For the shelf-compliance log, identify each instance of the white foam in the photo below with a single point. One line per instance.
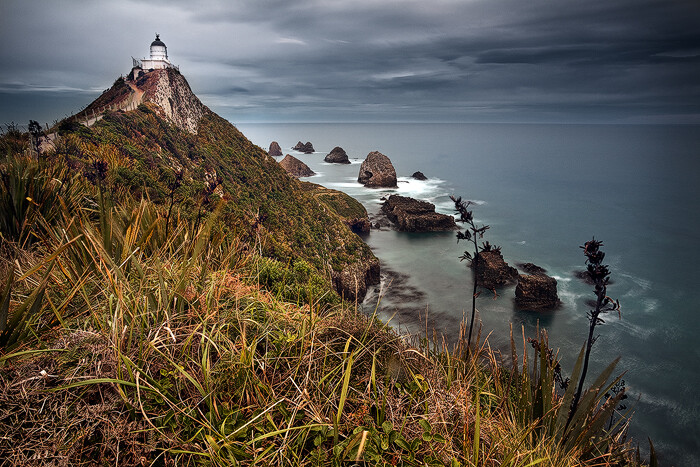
(339, 185)
(650, 305)
(641, 332)
(569, 298)
(419, 188)
(641, 282)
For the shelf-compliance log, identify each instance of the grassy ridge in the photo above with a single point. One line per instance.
(120, 344)
(265, 206)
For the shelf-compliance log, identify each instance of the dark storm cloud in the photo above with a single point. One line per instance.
(614, 60)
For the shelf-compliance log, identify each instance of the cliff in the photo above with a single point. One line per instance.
(171, 94)
(170, 133)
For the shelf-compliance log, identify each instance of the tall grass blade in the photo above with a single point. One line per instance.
(6, 293)
(344, 390)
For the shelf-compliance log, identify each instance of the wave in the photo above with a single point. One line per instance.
(341, 185)
(642, 332)
(561, 279)
(640, 281)
(409, 186)
(569, 298)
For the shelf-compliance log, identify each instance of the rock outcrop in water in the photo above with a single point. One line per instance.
(530, 268)
(295, 167)
(337, 156)
(412, 215)
(493, 272)
(377, 171)
(352, 282)
(536, 291)
(275, 149)
(306, 148)
(419, 176)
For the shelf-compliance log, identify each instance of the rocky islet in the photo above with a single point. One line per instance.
(295, 167)
(377, 171)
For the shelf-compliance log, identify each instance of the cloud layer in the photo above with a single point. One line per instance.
(368, 60)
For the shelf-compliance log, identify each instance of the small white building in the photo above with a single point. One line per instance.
(157, 61)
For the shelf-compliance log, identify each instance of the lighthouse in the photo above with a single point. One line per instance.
(158, 59)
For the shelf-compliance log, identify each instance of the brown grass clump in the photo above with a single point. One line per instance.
(44, 425)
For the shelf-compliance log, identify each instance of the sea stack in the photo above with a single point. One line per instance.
(295, 167)
(377, 171)
(306, 148)
(275, 149)
(493, 272)
(412, 215)
(537, 292)
(337, 156)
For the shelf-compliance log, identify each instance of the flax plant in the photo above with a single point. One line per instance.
(471, 234)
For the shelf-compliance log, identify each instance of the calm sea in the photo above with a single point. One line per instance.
(545, 190)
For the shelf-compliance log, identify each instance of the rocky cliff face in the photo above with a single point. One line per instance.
(352, 282)
(169, 90)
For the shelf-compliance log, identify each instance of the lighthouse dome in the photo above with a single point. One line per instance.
(158, 49)
(158, 42)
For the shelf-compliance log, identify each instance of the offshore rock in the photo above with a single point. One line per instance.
(493, 272)
(536, 292)
(412, 215)
(275, 149)
(352, 282)
(337, 156)
(377, 171)
(419, 176)
(531, 268)
(295, 167)
(306, 148)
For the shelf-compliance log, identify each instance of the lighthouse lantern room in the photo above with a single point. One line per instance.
(158, 59)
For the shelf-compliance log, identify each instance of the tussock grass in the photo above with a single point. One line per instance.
(124, 346)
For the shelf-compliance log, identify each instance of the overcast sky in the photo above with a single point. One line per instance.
(620, 61)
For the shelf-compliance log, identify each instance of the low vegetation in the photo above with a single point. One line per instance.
(262, 206)
(123, 345)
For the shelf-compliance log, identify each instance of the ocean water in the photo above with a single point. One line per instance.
(544, 190)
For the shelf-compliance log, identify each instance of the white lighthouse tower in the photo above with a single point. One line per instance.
(158, 58)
